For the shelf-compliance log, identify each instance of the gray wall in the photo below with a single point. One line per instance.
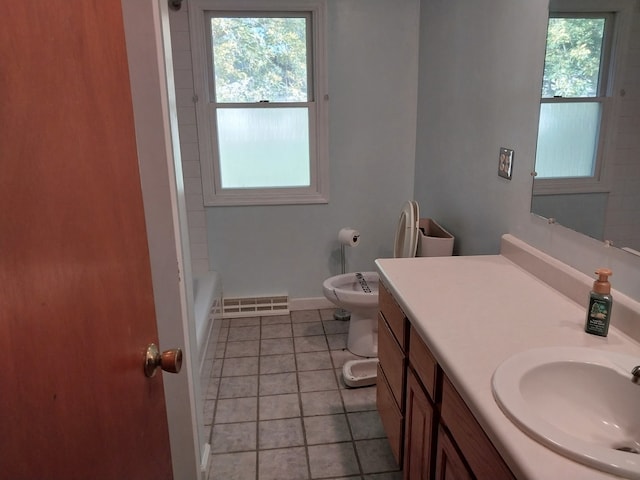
(373, 74)
(480, 74)
(583, 212)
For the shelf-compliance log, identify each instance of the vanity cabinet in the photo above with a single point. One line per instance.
(421, 411)
(449, 462)
(419, 428)
(479, 453)
(432, 432)
(391, 379)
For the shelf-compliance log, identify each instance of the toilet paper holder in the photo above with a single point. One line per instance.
(349, 237)
(346, 237)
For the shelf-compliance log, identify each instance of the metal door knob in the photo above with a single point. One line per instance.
(169, 360)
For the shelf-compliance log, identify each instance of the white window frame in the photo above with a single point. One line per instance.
(213, 193)
(600, 181)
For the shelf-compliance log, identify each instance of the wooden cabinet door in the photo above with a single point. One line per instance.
(449, 463)
(479, 453)
(390, 414)
(418, 432)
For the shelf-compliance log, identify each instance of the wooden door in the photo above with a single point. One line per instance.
(76, 300)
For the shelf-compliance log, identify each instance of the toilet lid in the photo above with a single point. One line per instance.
(406, 241)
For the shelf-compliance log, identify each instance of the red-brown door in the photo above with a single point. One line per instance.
(76, 300)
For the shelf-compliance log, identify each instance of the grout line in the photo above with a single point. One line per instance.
(301, 416)
(304, 429)
(217, 395)
(258, 400)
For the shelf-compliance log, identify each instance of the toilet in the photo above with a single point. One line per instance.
(358, 293)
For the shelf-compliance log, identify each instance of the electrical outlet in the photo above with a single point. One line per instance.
(505, 163)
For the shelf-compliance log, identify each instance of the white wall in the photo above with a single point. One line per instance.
(163, 195)
(480, 76)
(623, 209)
(183, 74)
(373, 72)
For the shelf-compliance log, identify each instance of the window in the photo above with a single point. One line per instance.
(261, 110)
(576, 102)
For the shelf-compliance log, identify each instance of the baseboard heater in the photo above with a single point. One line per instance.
(251, 306)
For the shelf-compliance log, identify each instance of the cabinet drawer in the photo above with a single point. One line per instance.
(393, 315)
(480, 454)
(392, 419)
(423, 362)
(392, 360)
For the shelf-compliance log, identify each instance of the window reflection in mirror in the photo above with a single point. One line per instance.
(588, 152)
(574, 96)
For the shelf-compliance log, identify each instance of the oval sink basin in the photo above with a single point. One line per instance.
(579, 402)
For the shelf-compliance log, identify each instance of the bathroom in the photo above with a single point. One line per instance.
(422, 96)
(429, 123)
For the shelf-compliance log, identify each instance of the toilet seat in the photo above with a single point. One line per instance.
(406, 241)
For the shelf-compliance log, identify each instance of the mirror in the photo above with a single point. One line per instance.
(608, 210)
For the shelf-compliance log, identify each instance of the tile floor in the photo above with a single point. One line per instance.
(279, 409)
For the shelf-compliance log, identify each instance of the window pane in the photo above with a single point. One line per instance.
(567, 139)
(572, 59)
(258, 59)
(264, 147)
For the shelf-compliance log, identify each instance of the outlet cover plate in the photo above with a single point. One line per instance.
(505, 163)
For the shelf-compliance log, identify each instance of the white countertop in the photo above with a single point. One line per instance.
(475, 312)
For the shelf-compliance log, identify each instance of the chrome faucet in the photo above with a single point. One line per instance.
(635, 371)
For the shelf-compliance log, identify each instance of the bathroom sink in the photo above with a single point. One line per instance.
(579, 402)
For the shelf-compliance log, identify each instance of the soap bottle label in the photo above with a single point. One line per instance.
(598, 317)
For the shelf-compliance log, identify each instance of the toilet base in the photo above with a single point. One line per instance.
(363, 333)
(360, 373)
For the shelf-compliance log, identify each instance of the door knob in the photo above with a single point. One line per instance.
(169, 360)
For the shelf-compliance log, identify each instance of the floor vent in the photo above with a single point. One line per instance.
(252, 306)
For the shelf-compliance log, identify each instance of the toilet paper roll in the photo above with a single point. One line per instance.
(349, 237)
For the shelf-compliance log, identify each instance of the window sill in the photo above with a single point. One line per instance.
(243, 199)
(568, 185)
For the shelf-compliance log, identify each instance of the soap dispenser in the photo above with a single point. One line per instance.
(600, 303)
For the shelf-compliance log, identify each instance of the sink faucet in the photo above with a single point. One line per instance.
(635, 371)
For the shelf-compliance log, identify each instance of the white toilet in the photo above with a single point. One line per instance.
(358, 293)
